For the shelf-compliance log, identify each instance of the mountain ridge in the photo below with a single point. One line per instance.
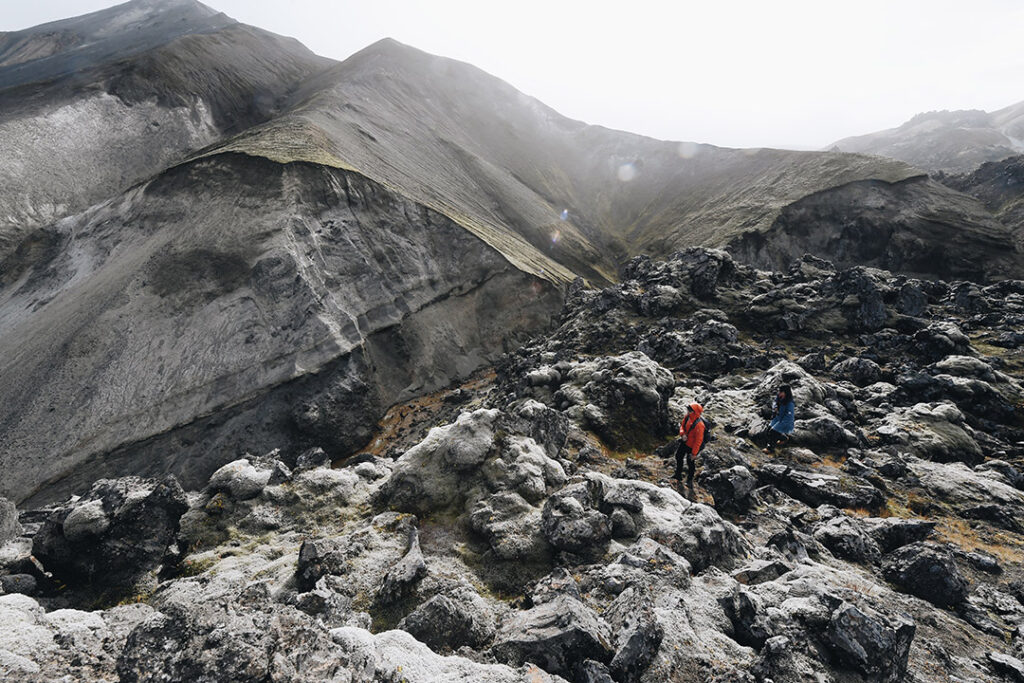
(949, 141)
(432, 144)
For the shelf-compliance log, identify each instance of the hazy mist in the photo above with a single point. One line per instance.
(784, 74)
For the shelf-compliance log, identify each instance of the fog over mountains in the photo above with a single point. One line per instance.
(224, 256)
(951, 141)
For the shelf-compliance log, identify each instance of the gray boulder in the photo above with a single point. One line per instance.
(456, 463)
(847, 539)
(209, 641)
(239, 479)
(593, 672)
(557, 636)
(928, 572)
(511, 526)
(731, 488)
(62, 644)
(558, 583)
(18, 583)
(401, 579)
(363, 657)
(860, 371)
(821, 488)
(117, 532)
(1010, 668)
(941, 339)
(893, 532)
(934, 431)
(572, 523)
(750, 622)
(759, 571)
(867, 642)
(623, 399)
(448, 623)
(638, 633)
(973, 494)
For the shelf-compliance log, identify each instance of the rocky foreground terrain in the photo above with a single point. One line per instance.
(522, 527)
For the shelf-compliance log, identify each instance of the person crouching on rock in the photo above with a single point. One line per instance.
(783, 417)
(691, 439)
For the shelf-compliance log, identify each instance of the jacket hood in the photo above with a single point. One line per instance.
(697, 409)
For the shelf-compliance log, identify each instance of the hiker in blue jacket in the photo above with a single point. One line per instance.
(783, 417)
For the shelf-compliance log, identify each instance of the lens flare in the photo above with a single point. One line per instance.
(688, 150)
(565, 214)
(627, 172)
(555, 236)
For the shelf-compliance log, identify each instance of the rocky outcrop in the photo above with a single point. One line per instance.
(915, 226)
(448, 623)
(321, 313)
(114, 535)
(63, 644)
(870, 645)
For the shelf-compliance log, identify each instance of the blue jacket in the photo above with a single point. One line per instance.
(785, 415)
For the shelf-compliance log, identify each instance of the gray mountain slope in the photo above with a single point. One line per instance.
(126, 93)
(505, 166)
(217, 291)
(999, 186)
(950, 141)
(349, 237)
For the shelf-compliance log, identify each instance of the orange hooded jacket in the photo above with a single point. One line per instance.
(692, 428)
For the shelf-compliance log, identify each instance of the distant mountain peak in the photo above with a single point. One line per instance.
(955, 141)
(59, 48)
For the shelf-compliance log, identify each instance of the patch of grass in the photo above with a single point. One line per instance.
(834, 461)
(960, 533)
(894, 508)
(135, 599)
(194, 567)
(1013, 358)
(920, 505)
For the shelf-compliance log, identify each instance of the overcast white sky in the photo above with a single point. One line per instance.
(740, 74)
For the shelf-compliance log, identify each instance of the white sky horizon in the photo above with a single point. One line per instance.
(796, 74)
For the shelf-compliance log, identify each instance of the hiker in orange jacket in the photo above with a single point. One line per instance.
(691, 434)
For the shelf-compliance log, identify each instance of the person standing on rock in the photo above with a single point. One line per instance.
(691, 439)
(783, 418)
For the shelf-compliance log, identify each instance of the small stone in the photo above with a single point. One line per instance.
(18, 583)
(239, 479)
(85, 520)
(9, 526)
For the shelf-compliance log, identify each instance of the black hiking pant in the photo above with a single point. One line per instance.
(683, 454)
(771, 438)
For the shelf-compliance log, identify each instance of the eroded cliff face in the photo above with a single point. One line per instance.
(93, 105)
(916, 227)
(235, 302)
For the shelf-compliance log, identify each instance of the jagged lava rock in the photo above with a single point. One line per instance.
(117, 532)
